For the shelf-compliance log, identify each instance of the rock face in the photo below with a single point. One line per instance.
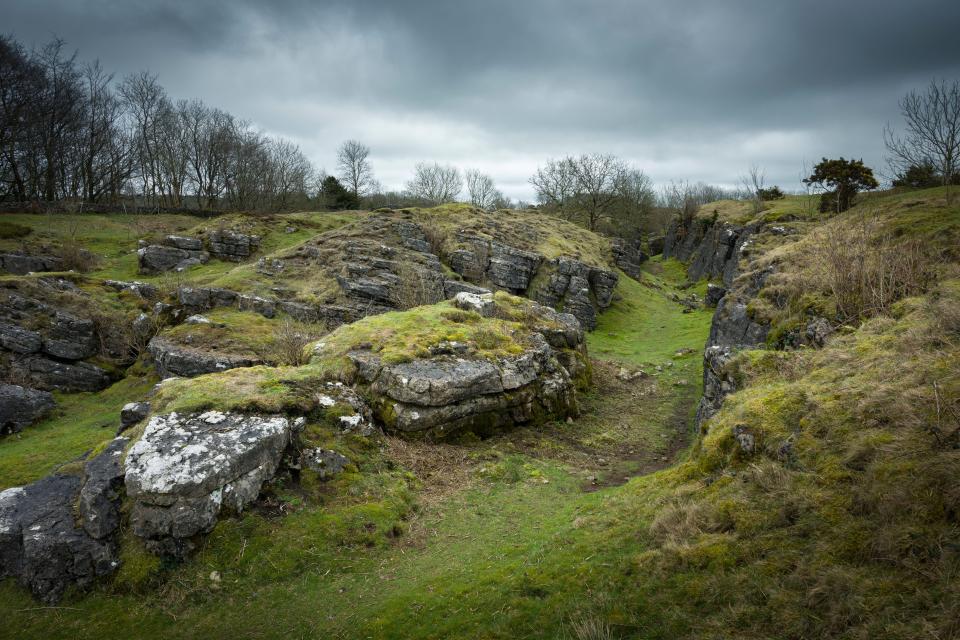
(172, 359)
(578, 289)
(713, 249)
(175, 253)
(185, 470)
(388, 262)
(628, 256)
(20, 265)
(227, 244)
(54, 375)
(58, 333)
(43, 545)
(21, 407)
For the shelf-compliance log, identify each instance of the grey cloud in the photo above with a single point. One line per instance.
(695, 90)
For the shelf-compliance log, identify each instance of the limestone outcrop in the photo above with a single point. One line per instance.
(187, 469)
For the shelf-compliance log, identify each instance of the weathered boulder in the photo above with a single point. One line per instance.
(446, 394)
(577, 288)
(171, 359)
(452, 287)
(183, 242)
(62, 529)
(324, 462)
(140, 289)
(132, 413)
(185, 470)
(53, 375)
(69, 337)
(157, 258)
(480, 303)
(19, 340)
(228, 244)
(20, 407)
(655, 244)
(62, 335)
(20, 265)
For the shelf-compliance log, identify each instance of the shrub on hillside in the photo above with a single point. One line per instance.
(12, 230)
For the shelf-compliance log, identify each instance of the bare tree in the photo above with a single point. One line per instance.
(597, 178)
(354, 168)
(555, 184)
(435, 183)
(483, 192)
(753, 184)
(933, 131)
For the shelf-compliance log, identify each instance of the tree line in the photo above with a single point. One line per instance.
(69, 132)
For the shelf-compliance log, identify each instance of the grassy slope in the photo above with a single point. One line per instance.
(510, 546)
(113, 238)
(79, 423)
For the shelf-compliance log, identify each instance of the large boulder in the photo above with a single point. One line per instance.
(21, 407)
(187, 469)
(456, 390)
(174, 360)
(54, 375)
(62, 530)
(175, 253)
(20, 265)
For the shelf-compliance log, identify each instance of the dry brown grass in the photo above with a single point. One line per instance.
(866, 269)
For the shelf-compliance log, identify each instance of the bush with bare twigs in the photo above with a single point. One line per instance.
(288, 345)
(866, 269)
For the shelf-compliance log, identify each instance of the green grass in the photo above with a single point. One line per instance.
(113, 237)
(79, 423)
(645, 326)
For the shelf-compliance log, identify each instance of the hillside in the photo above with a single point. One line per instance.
(794, 479)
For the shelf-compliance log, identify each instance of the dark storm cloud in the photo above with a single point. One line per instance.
(695, 90)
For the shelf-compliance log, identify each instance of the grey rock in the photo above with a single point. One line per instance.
(817, 332)
(744, 438)
(512, 268)
(20, 407)
(299, 310)
(438, 382)
(99, 502)
(141, 289)
(263, 306)
(19, 340)
(51, 375)
(132, 413)
(227, 244)
(21, 265)
(70, 337)
(160, 258)
(41, 544)
(715, 293)
(480, 303)
(603, 283)
(186, 470)
(453, 287)
(628, 256)
(182, 242)
(171, 359)
(324, 462)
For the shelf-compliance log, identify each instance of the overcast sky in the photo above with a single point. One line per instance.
(697, 90)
